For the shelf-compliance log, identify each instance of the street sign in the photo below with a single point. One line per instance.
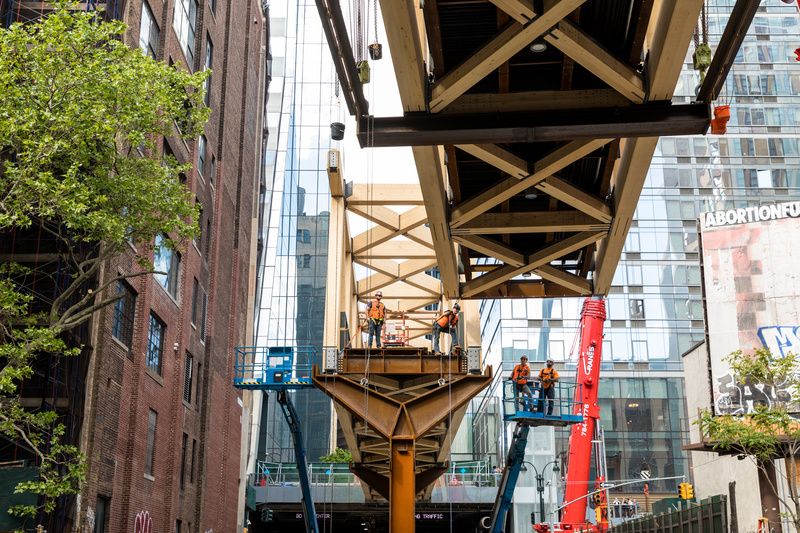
(644, 474)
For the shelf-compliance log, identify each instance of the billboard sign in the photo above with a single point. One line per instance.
(751, 284)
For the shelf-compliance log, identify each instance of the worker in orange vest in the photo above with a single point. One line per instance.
(548, 376)
(520, 376)
(446, 323)
(376, 314)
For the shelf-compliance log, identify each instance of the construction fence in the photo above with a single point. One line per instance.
(708, 516)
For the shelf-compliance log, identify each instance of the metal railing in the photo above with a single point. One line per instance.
(275, 366)
(563, 405)
(283, 474)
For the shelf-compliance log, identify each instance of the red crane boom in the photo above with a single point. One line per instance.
(580, 442)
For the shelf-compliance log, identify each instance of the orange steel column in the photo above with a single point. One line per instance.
(402, 491)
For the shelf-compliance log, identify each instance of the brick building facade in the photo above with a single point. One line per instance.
(161, 422)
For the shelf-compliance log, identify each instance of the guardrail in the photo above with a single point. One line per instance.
(275, 367)
(560, 409)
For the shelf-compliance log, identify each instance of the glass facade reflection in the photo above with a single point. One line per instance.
(293, 261)
(655, 310)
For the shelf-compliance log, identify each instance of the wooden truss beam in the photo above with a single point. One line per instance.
(403, 35)
(531, 222)
(395, 249)
(535, 260)
(569, 194)
(430, 167)
(491, 248)
(565, 279)
(573, 42)
(669, 33)
(423, 282)
(499, 50)
(520, 10)
(380, 194)
(468, 104)
(544, 168)
(378, 214)
(525, 289)
(499, 158)
(408, 222)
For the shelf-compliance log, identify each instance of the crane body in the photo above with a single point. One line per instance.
(580, 442)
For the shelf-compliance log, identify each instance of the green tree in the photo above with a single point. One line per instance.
(339, 455)
(81, 115)
(769, 433)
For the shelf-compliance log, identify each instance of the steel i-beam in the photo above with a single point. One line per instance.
(398, 415)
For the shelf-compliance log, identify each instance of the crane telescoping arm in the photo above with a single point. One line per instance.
(580, 441)
(309, 513)
(505, 493)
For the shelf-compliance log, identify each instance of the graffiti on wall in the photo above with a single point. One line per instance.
(734, 398)
(143, 523)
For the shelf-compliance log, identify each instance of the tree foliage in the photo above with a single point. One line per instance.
(81, 115)
(770, 431)
(339, 455)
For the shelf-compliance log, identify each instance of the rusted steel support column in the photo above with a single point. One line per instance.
(401, 486)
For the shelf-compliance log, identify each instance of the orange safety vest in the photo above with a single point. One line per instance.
(447, 319)
(376, 310)
(550, 374)
(521, 374)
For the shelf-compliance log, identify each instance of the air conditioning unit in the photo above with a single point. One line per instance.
(330, 360)
(474, 359)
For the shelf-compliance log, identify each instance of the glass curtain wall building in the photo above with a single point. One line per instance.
(655, 310)
(293, 261)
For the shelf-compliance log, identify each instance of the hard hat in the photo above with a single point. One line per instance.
(379, 293)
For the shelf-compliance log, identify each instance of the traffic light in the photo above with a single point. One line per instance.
(686, 491)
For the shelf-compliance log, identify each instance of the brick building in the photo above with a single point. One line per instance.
(158, 418)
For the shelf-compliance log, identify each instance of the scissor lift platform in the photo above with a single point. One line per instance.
(273, 368)
(533, 411)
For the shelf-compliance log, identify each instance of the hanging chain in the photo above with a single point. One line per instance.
(704, 21)
(375, 17)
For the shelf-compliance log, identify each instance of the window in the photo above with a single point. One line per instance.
(155, 344)
(124, 314)
(187, 378)
(197, 389)
(195, 294)
(191, 464)
(639, 350)
(184, 446)
(167, 263)
(148, 32)
(184, 21)
(212, 169)
(150, 458)
(203, 309)
(207, 66)
(199, 305)
(101, 511)
(637, 309)
(201, 155)
(177, 525)
(198, 240)
(207, 247)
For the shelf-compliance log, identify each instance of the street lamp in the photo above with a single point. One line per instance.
(540, 482)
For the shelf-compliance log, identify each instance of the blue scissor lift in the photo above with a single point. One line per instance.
(274, 369)
(527, 412)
